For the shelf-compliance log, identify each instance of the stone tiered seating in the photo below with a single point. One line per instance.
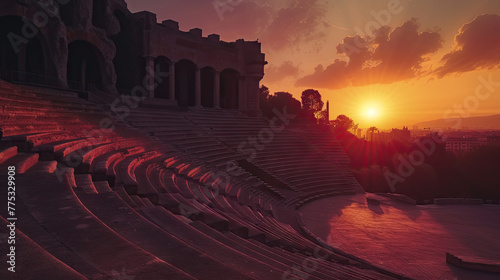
(194, 141)
(300, 166)
(103, 167)
(148, 207)
(109, 208)
(238, 260)
(314, 168)
(231, 127)
(58, 213)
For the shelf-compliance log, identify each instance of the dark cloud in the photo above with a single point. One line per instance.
(281, 72)
(390, 56)
(477, 46)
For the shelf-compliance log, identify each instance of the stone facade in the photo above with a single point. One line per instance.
(101, 46)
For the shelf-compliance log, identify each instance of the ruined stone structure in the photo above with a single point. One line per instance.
(100, 46)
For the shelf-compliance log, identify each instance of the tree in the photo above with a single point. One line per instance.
(311, 101)
(343, 123)
(282, 99)
(279, 100)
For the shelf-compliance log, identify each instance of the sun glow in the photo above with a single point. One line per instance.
(370, 106)
(371, 112)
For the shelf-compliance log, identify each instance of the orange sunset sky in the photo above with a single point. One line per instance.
(428, 58)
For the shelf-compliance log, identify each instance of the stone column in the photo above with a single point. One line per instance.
(217, 89)
(171, 76)
(197, 88)
(149, 80)
(252, 97)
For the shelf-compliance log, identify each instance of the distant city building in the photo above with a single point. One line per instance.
(403, 135)
(465, 144)
(468, 141)
(493, 140)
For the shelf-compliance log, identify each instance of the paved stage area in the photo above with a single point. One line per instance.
(409, 239)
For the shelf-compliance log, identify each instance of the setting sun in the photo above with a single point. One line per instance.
(371, 113)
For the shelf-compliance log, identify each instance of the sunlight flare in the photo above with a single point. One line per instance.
(371, 111)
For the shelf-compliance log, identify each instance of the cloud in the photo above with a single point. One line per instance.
(300, 22)
(477, 46)
(241, 19)
(390, 56)
(281, 72)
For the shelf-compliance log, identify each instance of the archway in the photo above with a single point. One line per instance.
(162, 90)
(207, 87)
(229, 89)
(185, 72)
(35, 60)
(84, 65)
(20, 58)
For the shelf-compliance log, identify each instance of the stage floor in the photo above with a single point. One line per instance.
(407, 239)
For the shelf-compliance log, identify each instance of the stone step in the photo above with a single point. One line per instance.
(102, 187)
(84, 181)
(44, 167)
(7, 153)
(22, 161)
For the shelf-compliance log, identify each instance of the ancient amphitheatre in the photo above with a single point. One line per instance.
(125, 134)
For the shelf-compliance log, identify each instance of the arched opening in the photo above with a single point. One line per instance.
(21, 59)
(125, 77)
(99, 13)
(162, 90)
(9, 58)
(185, 72)
(84, 65)
(35, 61)
(229, 89)
(207, 87)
